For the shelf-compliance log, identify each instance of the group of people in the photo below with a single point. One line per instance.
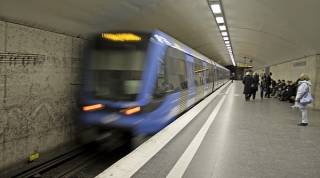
(298, 92)
(285, 91)
(251, 84)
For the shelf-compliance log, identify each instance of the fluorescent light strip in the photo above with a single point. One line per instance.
(222, 27)
(220, 20)
(216, 9)
(234, 64)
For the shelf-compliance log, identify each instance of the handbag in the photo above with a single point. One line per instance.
(306, 98)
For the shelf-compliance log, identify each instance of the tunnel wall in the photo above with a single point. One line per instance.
(38, 81)
(292, 70)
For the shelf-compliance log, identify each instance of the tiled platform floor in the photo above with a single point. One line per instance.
(247, 139)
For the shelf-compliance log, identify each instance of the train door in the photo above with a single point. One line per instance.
(199, 78)
(216, 84)
(218, 76)
(206, 78)
(177, 76)
(211, 77)
(191, 82)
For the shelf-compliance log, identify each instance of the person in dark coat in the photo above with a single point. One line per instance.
(262, 85)
(248, 83)
(268, 85)
(274, 88)
(254, 87)
(288, 93)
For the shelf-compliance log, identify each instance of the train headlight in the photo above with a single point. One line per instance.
(94, 107)
(131, 111)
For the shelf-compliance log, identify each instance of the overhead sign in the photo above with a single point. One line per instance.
(121, 37)
(244, 65)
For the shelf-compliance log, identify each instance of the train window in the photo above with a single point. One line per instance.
(172, 73)
(176, 69)
(116, 72)
(199, 72)
(162, 85)
(211, 73)
(206, 72)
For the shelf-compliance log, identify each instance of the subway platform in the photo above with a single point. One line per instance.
(229, 138)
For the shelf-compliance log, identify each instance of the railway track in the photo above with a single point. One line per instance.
(75, 163)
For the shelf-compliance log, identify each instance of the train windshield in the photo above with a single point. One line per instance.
(116, 69)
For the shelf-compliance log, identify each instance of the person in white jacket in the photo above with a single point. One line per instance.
(304, 90)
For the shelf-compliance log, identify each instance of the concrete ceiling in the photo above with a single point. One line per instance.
(273, 31)
(264, 31)
(190, 21)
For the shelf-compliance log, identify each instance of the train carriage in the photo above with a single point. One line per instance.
(140, 82)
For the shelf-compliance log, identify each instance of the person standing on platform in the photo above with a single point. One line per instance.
(254, 86)
(268, 85)
(248, 82)
(303, 98)
(262, 85)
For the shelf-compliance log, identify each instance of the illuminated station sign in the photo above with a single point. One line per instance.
(121, 37)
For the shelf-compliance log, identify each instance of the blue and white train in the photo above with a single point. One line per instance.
(140, 82)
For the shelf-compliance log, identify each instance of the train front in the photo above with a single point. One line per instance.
(117, 82)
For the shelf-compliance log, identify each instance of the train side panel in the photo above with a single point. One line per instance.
(175, 77)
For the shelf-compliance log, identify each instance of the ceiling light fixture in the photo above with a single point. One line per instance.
(222, 27)
(216, 9)
(220, 19)
(218, 13)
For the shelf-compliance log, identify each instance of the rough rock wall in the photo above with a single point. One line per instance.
(38, 81)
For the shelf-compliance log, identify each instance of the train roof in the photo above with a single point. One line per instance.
(178, 45)
(170, 41)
